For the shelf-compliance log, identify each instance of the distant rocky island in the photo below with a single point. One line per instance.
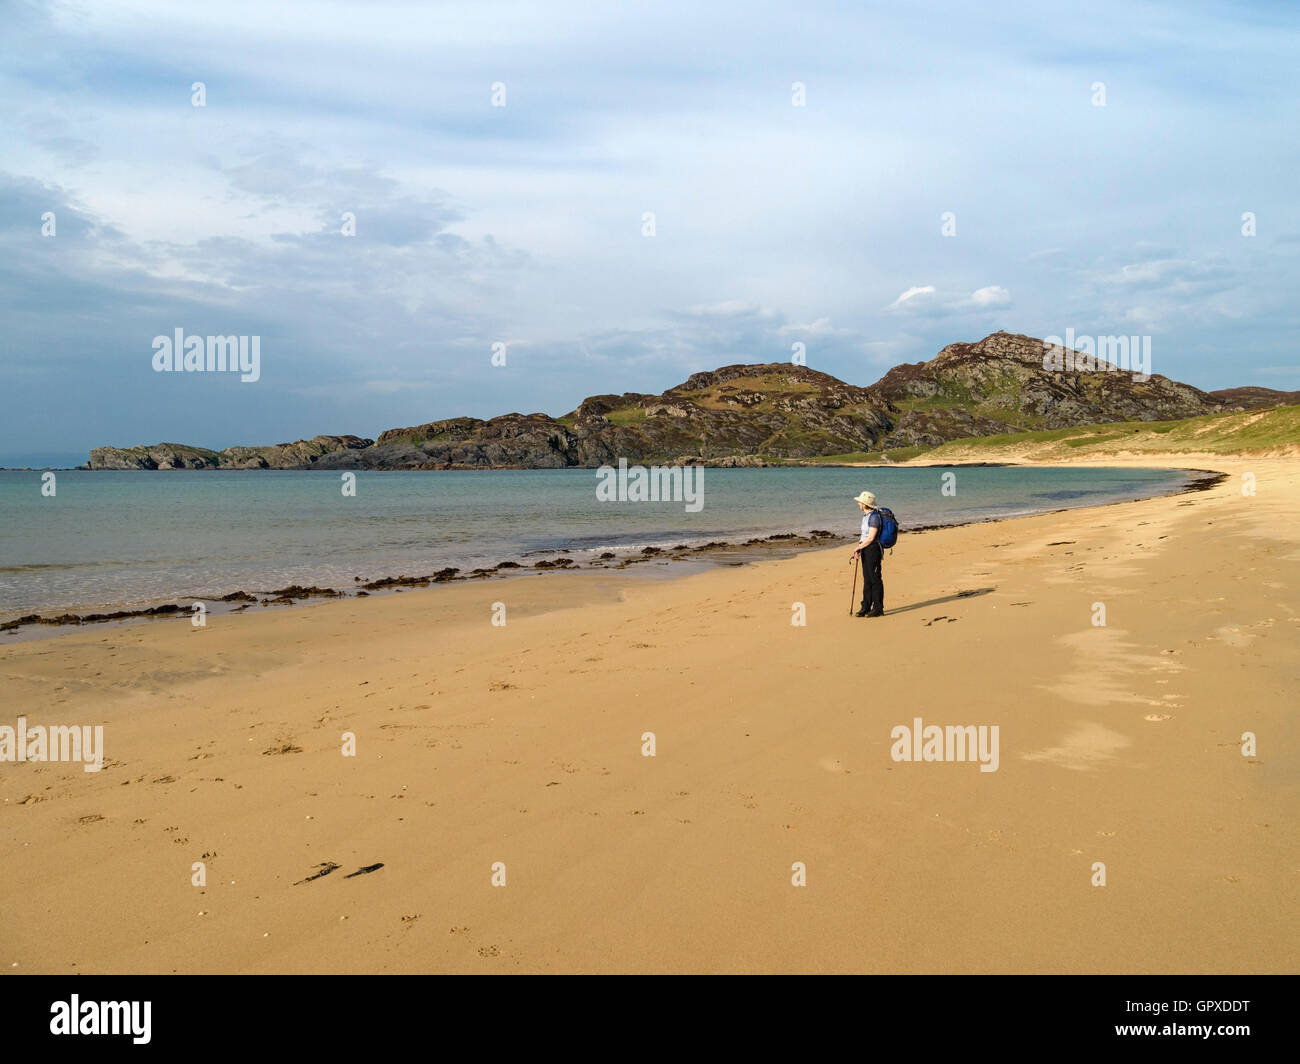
(751, 414)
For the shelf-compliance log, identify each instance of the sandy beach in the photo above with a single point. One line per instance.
(481, 745)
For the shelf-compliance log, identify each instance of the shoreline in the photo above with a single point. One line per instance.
(37, 625)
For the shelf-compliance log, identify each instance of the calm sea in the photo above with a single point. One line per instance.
(134, 538)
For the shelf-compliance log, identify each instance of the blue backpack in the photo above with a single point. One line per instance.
(888, 527)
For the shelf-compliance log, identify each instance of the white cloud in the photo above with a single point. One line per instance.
(912, 293)
(1146, 272)
(820, 327)
(928, 299)
(992, 296)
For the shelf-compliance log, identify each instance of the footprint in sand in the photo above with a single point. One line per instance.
(1154, 717)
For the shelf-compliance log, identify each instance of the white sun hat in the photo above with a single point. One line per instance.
(867, 498)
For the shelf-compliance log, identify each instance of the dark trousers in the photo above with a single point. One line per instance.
(873, 586)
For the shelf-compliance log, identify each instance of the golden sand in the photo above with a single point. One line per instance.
(522, 746)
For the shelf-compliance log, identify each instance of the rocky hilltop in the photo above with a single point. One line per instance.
(776, 409)
(999, 385)
(1251, 398)
(742, 415)
(302, 454)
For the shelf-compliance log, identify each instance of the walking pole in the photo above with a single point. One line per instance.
(853, 591)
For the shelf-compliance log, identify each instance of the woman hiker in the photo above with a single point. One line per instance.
(868, 549)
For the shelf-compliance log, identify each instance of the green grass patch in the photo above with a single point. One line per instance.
(626, 415)
(898, 454)
(1250, 430)
(933, 402)
(180, 448)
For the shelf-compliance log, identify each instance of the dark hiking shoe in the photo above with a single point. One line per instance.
(862, 613)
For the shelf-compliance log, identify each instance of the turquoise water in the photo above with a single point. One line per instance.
(133, 538)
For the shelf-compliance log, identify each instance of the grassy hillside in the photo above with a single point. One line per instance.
(1245, 432)
(1274, 431)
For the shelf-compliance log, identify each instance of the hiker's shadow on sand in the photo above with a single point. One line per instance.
(938, 601)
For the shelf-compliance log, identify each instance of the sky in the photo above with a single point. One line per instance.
(621, 194)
